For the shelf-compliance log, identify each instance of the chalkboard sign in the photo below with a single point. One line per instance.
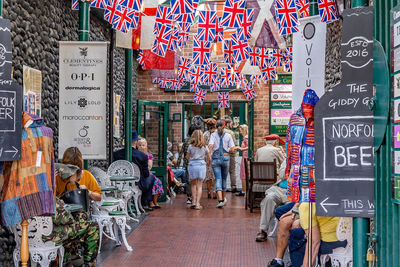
(10, 122)
(10, 100)
(344, 137)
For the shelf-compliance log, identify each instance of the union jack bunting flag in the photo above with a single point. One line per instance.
(214, 87)
(254, 56)
(183, 34)
(174, 84)
(75, 5)
(249, 92)
(154, 80)
(99, 3)
(173, 41)
(199, 96)
(219, 31)
(224, 81)
(184, 18)
(286, 30)
(207, 25)
(232, 10)
(246, 20)
(242, 80)
(182, 6)
(131, 4)
(303, 8)
(328, 10)
(194, 87)
(162, 41)
(195, 5)
(240, 48)
(201, 51)
(268, 73)
(223, 100)
(135, 20)
(228, 52)
(164, 17)
(163, 83)
(123, 19)
(181, 83)
(196, 74)
(287, 59)
(140, 59)
(286, 15)
(232, 75)
(255, 79)
(183, 68)
(276, 58)
(111, 8)
(263, 56)
(210, 73)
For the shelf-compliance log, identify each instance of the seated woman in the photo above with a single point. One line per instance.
(158, 189)
(69, 232)
(85, 179)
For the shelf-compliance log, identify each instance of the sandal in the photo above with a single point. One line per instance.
(193, 206)
(198, 207)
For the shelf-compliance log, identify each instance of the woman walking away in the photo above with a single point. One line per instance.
(197, 155)
(243, 129)
(210, 179)
(158, 189)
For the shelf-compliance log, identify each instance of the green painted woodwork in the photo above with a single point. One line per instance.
(386, 210)
(161, 109)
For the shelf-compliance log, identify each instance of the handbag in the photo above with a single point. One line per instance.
(77, 196)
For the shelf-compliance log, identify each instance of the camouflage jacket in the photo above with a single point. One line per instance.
(183, 152)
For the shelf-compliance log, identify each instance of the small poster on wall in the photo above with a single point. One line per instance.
(32, 90)
(280, 104)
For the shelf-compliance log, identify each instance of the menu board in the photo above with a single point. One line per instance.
(280, 104)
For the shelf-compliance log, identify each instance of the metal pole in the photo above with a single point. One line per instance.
(360, 225)
(111, 103)
(1, 8)
(84, 30)
(128, 104)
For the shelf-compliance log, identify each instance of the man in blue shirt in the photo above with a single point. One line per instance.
(146, 180)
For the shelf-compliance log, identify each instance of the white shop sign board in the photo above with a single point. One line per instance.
(82, 92)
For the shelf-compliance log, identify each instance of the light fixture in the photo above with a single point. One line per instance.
(137, 40)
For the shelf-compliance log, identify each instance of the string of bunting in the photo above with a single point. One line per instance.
(232, 31)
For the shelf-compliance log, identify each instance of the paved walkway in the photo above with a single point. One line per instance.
(178, 236)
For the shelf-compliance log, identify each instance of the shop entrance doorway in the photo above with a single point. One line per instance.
(153, 125)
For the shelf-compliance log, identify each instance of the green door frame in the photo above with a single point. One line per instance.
(160, 171)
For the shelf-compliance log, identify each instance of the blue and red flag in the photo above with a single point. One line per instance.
(75, 5)
(240, 48)
(254, 56)
(207, 25)
(246, 20)
(123, 19)
(140, 60)
(223, 100)
(196, 74)
(249, 92)
(201, 51)
(99, 3)
(199, 96)
(194, 87)
(303, 8)
(232, 10)
(268, 72)
(214, 87)
(131, 4)
(286, 16)
(184, 68)
(182, 7)
(111, 8)
(210, 73)
(276, 58)
(164, 17)
(162, 41)
(224, 81)
(228, 52)
(328, 10)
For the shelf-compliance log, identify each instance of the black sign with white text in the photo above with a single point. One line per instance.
(344, 136)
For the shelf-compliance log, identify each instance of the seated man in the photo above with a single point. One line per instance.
(141, 160)
(286, 215)
(276, 194)
(69, 232)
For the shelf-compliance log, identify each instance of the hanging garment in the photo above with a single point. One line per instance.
(29, 183)
(300, 147)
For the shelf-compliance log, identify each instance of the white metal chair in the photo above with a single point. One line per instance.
(342, 257)
(128, 190)
(40, 252)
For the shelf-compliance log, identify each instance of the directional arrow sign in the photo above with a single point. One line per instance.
(14, 150)
(323, 204)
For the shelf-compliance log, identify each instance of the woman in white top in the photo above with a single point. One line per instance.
(197, 154)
